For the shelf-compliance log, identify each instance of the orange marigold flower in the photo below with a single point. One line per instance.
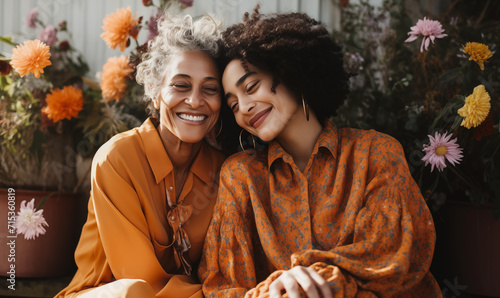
(119, 26)
(63, 104)
(114, 78)
(478, 53)
(30, 57)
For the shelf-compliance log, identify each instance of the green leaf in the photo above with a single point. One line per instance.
(44, 199)
(8, 40)
(5, 83)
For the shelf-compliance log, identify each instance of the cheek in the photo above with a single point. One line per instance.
(239, 120)
(215, 104)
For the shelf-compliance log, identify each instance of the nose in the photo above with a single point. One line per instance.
(246, 105)
(195, 99)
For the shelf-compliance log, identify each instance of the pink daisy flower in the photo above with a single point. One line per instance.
(30, 222)
(48, 35)
(31, 18)
(430, 31)
(440, 149)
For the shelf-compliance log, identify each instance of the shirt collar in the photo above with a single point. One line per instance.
(155, 152)
(328, 139)
(159, 160)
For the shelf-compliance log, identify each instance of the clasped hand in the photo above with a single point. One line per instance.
(300, 277)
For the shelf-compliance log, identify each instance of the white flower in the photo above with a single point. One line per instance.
(30, 222)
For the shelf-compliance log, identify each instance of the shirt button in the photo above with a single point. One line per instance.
(170, 188)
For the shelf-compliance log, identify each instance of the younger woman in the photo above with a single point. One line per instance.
(322, 211)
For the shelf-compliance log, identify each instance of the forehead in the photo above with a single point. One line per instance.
(235, 70)
(195, 64)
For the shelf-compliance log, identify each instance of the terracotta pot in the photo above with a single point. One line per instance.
(48, 255)
(473, 248)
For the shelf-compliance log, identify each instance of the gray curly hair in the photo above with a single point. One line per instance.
(176, 34)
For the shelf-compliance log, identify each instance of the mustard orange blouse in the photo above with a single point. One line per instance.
(355, 215)
(127, 233)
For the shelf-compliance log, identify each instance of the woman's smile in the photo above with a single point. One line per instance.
(192, 118)
(257, 120)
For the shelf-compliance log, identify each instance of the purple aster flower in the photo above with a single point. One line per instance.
(440, 149)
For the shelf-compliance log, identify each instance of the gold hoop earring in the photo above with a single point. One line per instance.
(241, 144)
(306, 108)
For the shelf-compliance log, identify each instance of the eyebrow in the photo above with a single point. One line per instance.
(239, 82)
(188, 76)
(244, 77)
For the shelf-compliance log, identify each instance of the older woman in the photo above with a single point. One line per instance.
(154, 187)
(322, 211)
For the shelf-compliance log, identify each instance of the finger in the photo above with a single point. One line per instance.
(275, 288)
(321, 283)
(302, 276)
(287, 282)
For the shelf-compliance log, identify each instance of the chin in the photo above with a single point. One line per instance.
(191, 138)
(266, 137)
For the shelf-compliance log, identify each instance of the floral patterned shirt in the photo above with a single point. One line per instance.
(354, 214)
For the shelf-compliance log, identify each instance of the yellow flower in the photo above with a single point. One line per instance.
(114, 78)
(63, 104)
(30, 57)
(478, 53)
(477, 107)
(119, 26)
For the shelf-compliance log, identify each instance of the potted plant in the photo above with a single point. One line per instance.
(51, 116)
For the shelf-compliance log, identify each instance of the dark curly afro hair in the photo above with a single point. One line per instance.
(297, 50)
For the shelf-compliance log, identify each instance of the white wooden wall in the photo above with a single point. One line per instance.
(84, 18)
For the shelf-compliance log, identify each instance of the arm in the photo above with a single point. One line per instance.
(122, 225)
(227, 267)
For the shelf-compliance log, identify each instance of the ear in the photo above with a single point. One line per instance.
(156, 102)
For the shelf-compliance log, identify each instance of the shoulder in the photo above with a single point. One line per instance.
(368, 141)
(122, 146)
(241, 164)
(379, 151)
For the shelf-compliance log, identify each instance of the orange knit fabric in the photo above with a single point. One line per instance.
(127, 234)
(355, 215)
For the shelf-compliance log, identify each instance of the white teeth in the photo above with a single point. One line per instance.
(191, 117)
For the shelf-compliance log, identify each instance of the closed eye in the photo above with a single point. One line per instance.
(233, 105)
(251, 86)
(181, 86)
(212, 90)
